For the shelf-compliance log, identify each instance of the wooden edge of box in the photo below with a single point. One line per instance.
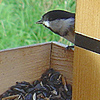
(39, 44)
(27, 46)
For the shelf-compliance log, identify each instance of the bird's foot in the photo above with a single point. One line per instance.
(70, 48)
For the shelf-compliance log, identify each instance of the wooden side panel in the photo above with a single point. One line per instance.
(62, 60)
(88, 18)
(23, 64)
(86, 70)
(86, 75)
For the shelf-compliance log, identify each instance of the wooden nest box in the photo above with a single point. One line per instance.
(29, 63)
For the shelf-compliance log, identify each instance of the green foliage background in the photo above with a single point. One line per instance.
(18, 18)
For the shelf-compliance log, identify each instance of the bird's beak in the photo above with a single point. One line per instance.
(39, 22)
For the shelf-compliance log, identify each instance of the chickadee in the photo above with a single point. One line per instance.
(60, 22)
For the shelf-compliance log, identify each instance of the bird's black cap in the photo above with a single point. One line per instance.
(57, 14)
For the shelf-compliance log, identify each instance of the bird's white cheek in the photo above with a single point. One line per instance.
(46, 23)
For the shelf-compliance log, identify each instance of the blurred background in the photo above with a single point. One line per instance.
(18, 21)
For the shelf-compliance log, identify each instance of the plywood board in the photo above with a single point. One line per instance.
(62, 60)
(88, 18)
(86, 75)
(23, 64)
(86, 69)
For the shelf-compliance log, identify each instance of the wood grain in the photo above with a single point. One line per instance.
(88, 18)
(62, 61)
(86, 75)
(23, 64)
(86, 70)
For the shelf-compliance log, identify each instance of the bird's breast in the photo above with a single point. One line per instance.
(64, 28)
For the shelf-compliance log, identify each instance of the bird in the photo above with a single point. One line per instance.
(60, 22)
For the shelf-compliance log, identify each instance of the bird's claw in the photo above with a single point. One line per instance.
(70, 48)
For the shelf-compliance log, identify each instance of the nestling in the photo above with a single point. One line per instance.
(60, 22)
